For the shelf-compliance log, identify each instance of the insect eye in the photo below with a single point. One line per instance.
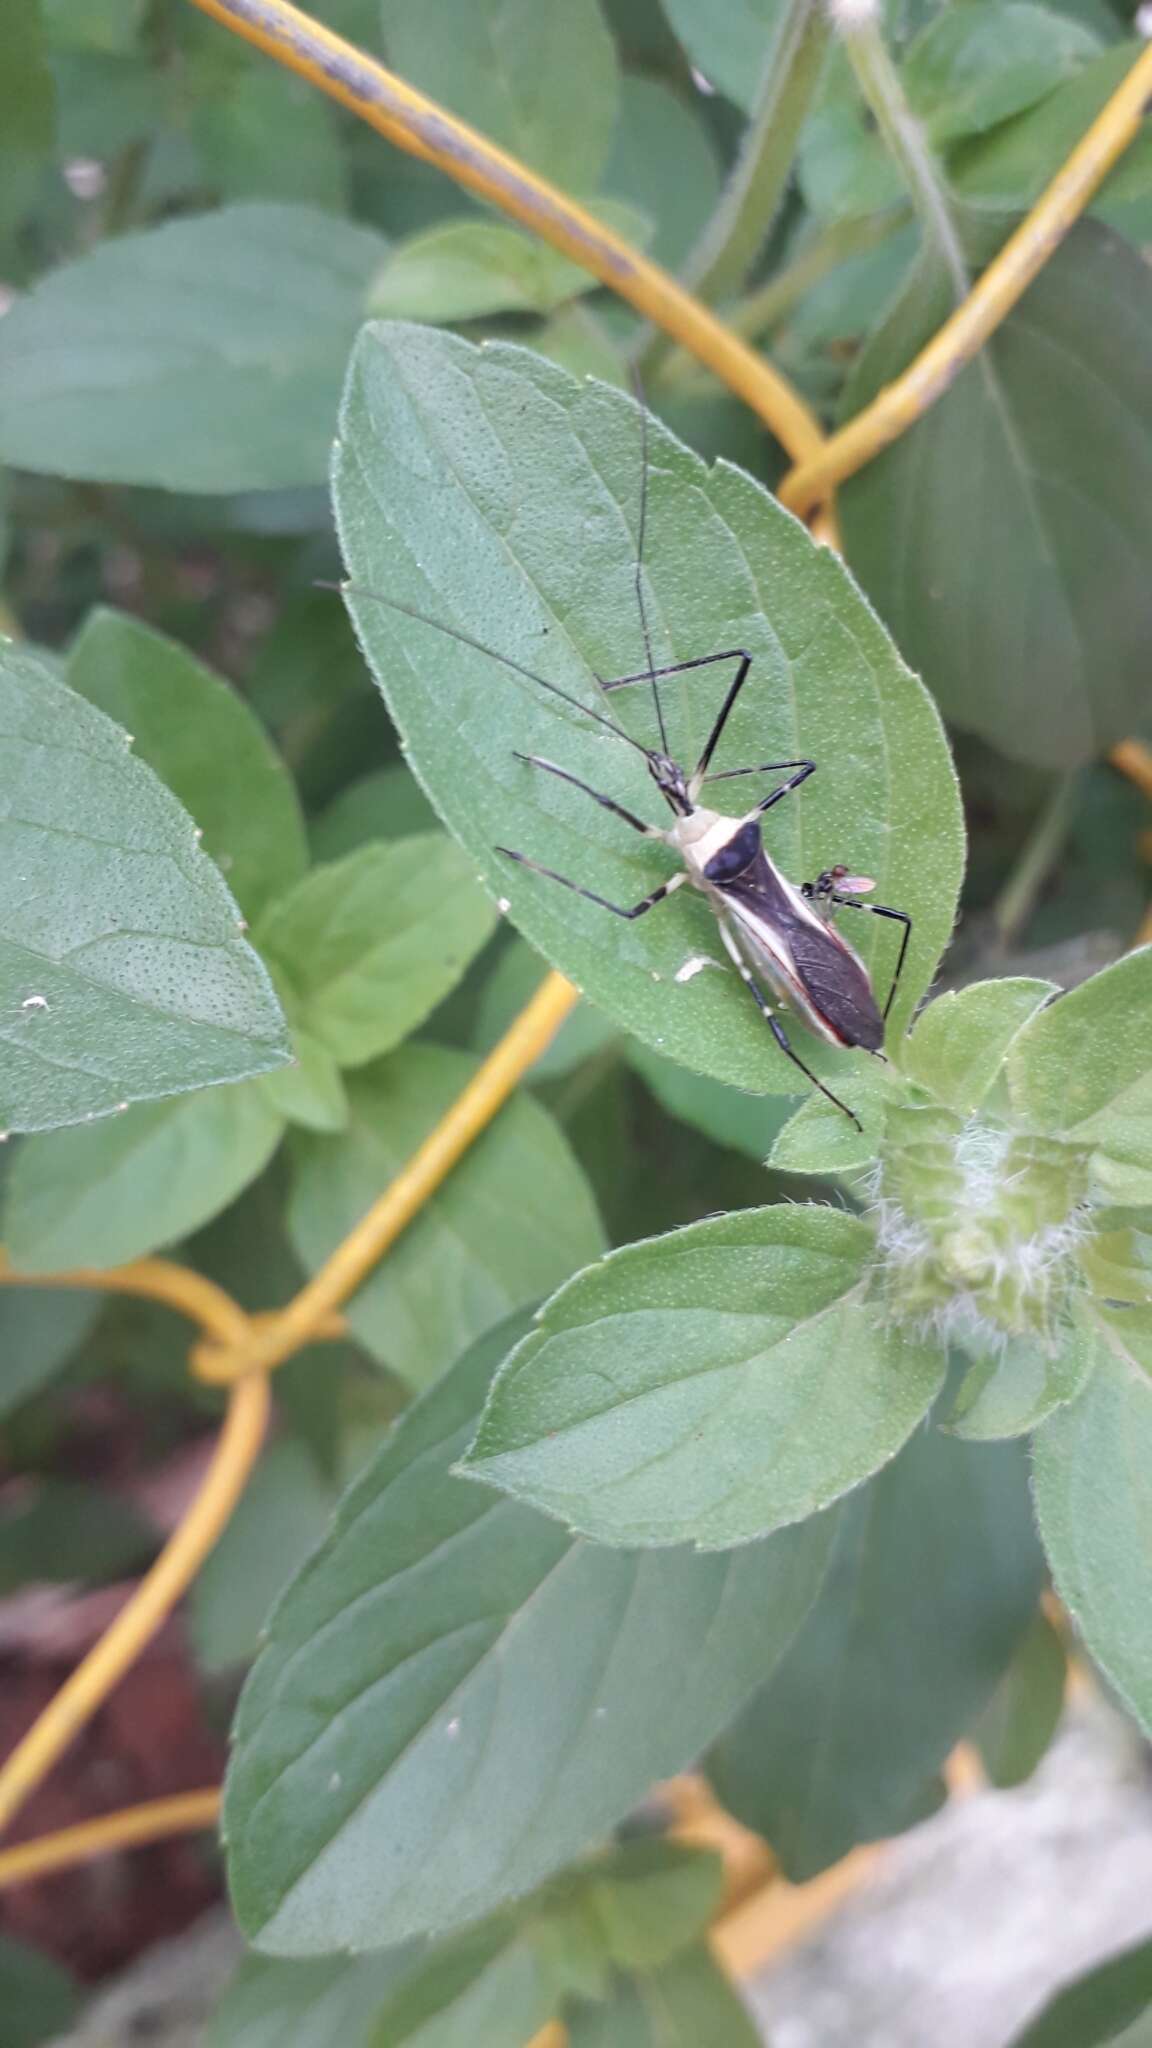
(739, 854)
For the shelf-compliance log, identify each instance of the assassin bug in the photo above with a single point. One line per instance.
(781, 938)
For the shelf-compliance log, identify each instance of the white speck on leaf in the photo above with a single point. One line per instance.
(452, 1728)
(34, 1003)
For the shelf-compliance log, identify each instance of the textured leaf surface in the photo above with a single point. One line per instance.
(1014, 1390)
(538, 76)
(707, 1386)
(204, 743)
(514, 1219)
(961, 1039)
(1083, 1068)
(456, 1697)
(501, 497)
(201, 355)
(114, 1190)
(1093, 1486)
(123, 973)
(934, 1579)
(1001, 536)
(370, 944)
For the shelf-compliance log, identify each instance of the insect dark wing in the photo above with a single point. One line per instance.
(834, 980)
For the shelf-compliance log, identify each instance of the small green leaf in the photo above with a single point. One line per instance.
(1082, 1069)
(1007, 170)
(62, 1531)
(934, 1580)
(819, 1138)
(123, 974)
(729, 44)
(456, 1698)
(687, 2001)
(977, 65)
(1093, 1485)
(310, 1092)
(467, 269)
(1001, 536)
(38, 1999)
(1023, 1714)
(111, 1191)
(1014, 1390)
(747, 1123)
(515, 1218)
(238, 124)
(201, 355)
(203, 741)
(1106, 2005)
(649, 1899)
(1117, 1261)
(40, 1328)
(708, 1386)
(370, 944)
(961, 1039)
(388, 804)
(499, 496)
(538, 76)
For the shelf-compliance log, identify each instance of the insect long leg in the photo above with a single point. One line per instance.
(775, 1026)
(882, 910)
(645, 904)
(609, 803)
(803, 770)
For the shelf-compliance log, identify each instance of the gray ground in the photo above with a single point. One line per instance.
(965, 1927)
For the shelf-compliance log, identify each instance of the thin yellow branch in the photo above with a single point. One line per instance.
(278, 1336)
(417, 124)
(192, 1294)
(185, 1813)
(902, 402)
(174, 1569)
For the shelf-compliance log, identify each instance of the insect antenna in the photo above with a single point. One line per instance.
(641, 528)
(478, 646)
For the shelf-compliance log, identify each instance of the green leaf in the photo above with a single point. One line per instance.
(1001, 536)
(27, 108)
(388, 804)
(730, 44)
(1082, 1069)
(537, 76)
(456, 1697)
(40, 1328)
(466, 269)
(111, 1191)
(369, 945)
(686, 2002)
(282, 1515)
(516, 490)
(63, 1531)
(239, 124)
(977, 65)
(707, 1386)
(1023, 1714)
(820, 1139)
(314, 2004)
(934, 1580)
(203, 741)
(514, 980)
(1007, 170)
(844, 170)
(663, 162)
(1093, 1486)
(1014, 1390)
(515, 1218)
(961, 1040)
(311, 1092)
(201, 355)
(123, 974)
(37, 1998)
(1105, 2005)
(747, 1123)
(648, 1899)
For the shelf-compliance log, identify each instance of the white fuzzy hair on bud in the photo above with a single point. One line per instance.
(850, 14)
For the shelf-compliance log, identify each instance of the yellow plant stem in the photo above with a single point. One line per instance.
(419, 125)
(1006, 279)
(157, 1594)
(278, 1336)
(178, 1287)
(185, 1813)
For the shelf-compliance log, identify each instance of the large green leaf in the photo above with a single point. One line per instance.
(1002, 536)
(728, 43)
(114, 1190)
(538, 76)
(934, 1580)
(123, 972)
(1082, 1069)
(203, 741)
(1093, 1485)
(501, 497)
(515, 1217)
(456, 1697)
(707, 1386)
(204, 354)
(370, 944)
